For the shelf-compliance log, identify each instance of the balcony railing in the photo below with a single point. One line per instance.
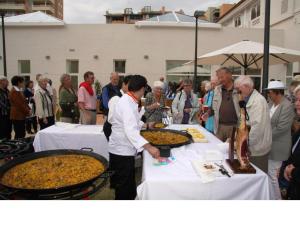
(43, 8)
(12, 6)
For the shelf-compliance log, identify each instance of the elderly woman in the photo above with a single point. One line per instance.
(208, 100)
(291, 168)
(282, 114)
(19, 108)
(68, 100)
(155, 100)
(185, 105)
(44, 105)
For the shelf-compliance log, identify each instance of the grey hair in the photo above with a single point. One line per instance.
(297, 89)
(62, 77)
(244, 80)
(225, 69)
(113, 73)
(41, 78)
(187, 81)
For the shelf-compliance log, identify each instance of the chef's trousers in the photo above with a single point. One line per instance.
(123, 179)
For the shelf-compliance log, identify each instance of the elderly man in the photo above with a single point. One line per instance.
(225, 105)
(5, 122)
(87, 100)
(110, 90)
(260, 135)
(185, 105)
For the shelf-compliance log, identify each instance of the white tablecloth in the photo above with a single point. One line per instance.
(72, 136)
(179, 180)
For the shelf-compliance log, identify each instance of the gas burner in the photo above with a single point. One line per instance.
(10, 149)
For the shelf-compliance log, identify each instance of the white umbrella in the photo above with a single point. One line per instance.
(187, 70)
(248, 54)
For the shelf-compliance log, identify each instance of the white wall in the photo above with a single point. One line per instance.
(115, 41)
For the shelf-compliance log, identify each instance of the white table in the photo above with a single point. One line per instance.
(72, 136)
(179, 180)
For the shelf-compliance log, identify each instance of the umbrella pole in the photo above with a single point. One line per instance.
(196, 51)
(3, 45)
(266, 47)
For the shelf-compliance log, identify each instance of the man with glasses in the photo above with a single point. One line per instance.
(225, 106)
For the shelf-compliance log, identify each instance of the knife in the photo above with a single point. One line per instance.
(223, 170)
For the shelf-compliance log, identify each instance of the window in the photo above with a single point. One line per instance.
(72, 66)
(128, 11)
(24, 66)
(119, 66)
(237, 21)
(74, 80)
(255, 11)
(147, 9)
(284, 6)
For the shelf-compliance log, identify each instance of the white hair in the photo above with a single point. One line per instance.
(158, 83)
(244, 80)
(297, 89)
(42, 78)
(207, 86)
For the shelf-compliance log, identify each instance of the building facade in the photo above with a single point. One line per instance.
(285, 15)
(130, 17)
(17, 7)
(153, 49)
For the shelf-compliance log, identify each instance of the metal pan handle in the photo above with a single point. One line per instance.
(107, 174)
(87, 149)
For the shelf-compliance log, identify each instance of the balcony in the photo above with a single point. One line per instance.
(43, 1)
(12, 6)
(43, 8)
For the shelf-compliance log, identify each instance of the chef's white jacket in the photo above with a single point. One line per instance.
(125, 138)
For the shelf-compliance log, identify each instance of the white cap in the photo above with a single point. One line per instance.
(297, 78)
(158, 84)
(3, 77)
(275, 85)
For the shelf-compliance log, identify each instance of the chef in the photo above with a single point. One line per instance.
(125, 140)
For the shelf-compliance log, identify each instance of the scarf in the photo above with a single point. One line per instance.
(87, 87)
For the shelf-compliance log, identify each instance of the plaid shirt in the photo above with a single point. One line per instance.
(4, 103)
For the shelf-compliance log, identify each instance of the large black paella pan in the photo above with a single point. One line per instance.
(165, 139)
(62, 170)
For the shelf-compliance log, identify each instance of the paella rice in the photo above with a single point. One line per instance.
(164, 138)
(53, 172)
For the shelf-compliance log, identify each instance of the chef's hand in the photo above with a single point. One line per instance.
(288, 172)
(154, 152)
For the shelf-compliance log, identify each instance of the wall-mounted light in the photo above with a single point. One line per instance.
(71, 50)
(47, 57)
(146, 56)
(96, 57)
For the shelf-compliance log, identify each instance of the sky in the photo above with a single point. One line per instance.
(92, 11)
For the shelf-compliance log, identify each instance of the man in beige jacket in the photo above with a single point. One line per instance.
(225, 106)
(260, 135)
